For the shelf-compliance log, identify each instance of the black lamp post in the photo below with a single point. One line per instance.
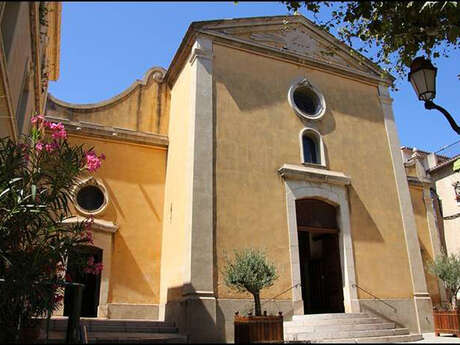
(422, 76)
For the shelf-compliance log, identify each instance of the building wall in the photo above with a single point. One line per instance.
(134, 177)
(426, 246)
(130, 130)
(26, 62)
(177, 190)
(444, 187)
(257, 132)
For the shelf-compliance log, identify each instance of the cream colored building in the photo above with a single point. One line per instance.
(29, 58)
(444, 185)
(255, 136)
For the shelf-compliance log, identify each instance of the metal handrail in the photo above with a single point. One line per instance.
(273, 298)
(375, 297)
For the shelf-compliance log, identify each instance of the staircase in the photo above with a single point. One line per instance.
(116, 331)
(344, 328)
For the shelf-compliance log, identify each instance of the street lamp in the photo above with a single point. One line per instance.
(422, 76)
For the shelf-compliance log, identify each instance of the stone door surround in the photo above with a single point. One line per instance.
(306, 182)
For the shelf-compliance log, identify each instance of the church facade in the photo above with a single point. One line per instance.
(263, 133)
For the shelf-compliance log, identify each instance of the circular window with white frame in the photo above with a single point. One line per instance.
(306, 100)
(90, 197)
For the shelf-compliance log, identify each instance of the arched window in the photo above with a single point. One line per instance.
(309, 150)
(311, 145)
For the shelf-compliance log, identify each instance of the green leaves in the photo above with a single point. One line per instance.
(397, 31)
(35, 197)
(447, 268)
(249, 271)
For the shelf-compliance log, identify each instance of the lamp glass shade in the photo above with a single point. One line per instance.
(423, 79)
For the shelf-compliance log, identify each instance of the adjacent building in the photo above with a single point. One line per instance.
(29, 50)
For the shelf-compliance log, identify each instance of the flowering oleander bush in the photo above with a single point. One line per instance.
(37, 174)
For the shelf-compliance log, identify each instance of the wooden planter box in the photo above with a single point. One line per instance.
(258, 329)
(446, 322)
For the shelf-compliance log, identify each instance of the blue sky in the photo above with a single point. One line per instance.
(106, 46)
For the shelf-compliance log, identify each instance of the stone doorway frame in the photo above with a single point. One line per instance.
(103, 232)
(306, 182)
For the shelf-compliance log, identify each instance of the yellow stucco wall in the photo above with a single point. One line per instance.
(134, 177)
(426, 247)
(143, 108)
(177, 191)
(257, 132)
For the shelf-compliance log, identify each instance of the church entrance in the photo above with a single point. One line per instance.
(319, 255)
(92, 282)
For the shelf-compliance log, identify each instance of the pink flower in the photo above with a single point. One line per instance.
(58, 130)
(58, 298)
(88, 237)
(49, 148)
(39, 146)
(93, 162)
(37, 118)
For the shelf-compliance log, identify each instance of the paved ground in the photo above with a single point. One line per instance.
(442, 339)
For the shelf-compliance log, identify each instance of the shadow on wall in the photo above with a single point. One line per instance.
(194, 317)
(128, 279)
(210, 320)
(363, 227)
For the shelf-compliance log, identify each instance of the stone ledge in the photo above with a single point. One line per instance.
(113, 133)
(300, 172)
(98, 224)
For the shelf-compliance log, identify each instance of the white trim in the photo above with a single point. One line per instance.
(302, 81)
(337, 195)
(318, 139)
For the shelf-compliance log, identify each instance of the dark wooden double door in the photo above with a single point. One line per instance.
(319, 254)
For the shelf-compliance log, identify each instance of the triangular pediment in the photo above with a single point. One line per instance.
(293, 35)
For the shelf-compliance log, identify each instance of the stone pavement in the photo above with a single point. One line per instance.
(442, 339)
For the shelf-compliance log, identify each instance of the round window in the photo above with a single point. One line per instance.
(90, 198)
(306, 100)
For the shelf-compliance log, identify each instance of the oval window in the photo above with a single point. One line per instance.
(306, 100)
(90, 198)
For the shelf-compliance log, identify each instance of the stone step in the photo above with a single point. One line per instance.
(345, 334)
(109, 324)
(296, 323)
(288, 329)
(331, 316)
(122, 337)
(367, 340)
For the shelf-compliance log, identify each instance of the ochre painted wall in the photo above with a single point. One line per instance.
(257, 132)
(426, 247)
(134, 176)
(144, 109)
(177, 189)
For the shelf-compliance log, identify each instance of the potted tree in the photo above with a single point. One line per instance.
(447, 268)
(250, 271)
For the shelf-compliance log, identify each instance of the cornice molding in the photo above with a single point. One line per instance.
(292, 171)
(209, 28)
(112, 133)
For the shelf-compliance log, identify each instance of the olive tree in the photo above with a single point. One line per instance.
(447, 268)
(250, 271)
